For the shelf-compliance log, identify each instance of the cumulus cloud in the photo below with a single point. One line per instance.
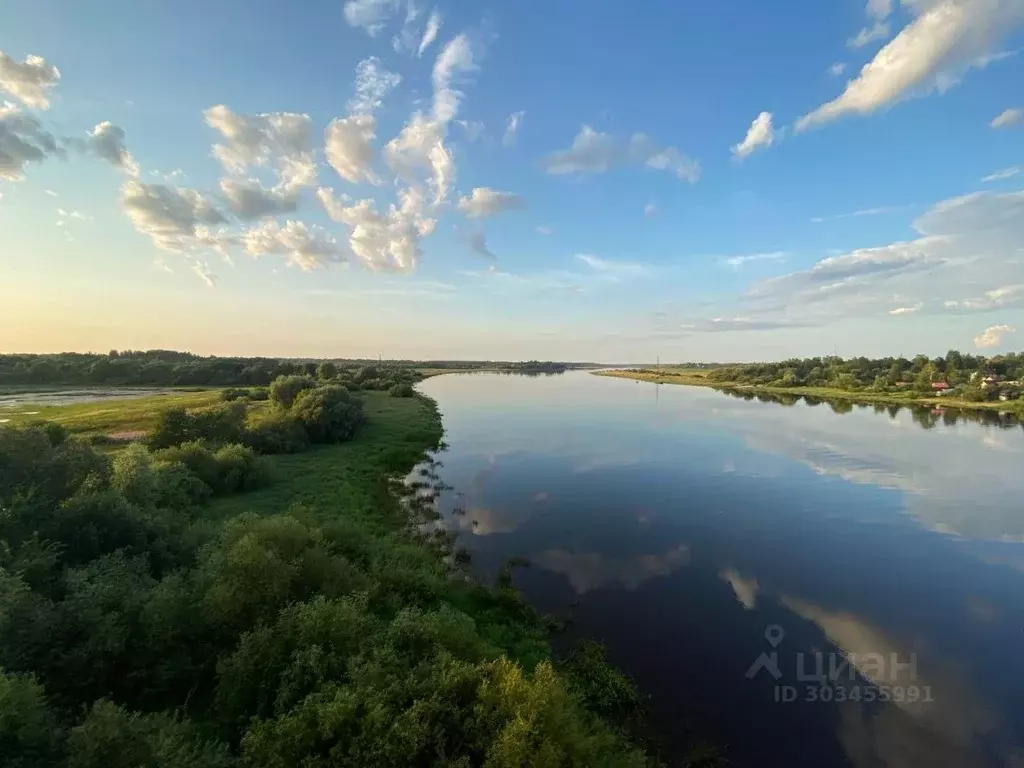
(23, 140)
(349, 147)
(992, 336)
(595, 152)
(248, 199)
(278, 139)
(430, 33)
(1006, 173)
(29, 81)
(106, 140)
(947, 38)
(1007, 118)
(175, 218)
(305, 247)
(484, 202)
(478, 244)
(373, 83)
(371, 15)
(515, 120)
(760, 134)
(383, 241)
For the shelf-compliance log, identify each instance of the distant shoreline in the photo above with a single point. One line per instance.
(699, 379)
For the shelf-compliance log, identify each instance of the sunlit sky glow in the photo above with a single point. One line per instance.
(513, 180)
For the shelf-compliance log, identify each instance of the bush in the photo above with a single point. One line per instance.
(279, 433)
(402, 390)
(231, 394)
(231, 468)
(285, 389)
(224, 423)
(329, 414)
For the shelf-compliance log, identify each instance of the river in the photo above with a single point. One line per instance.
(727, 551)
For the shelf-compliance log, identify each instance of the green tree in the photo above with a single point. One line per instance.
(329, 414)
(30, 736)
(284, 389)
(326, 371)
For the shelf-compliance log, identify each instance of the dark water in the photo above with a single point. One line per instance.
(697, 534)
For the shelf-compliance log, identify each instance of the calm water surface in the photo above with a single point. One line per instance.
(726, 550)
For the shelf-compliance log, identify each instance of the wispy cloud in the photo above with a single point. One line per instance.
(596, 152)
(515, 121)
(738, 261)
(1007, 118)
(906, 310)
(863, 212)
(1006, 173)
(613, 268)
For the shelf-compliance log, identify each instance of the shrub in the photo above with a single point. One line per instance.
(279, 433)
(231, 468)
(231, 394)
(285, 389)
(224, 423)
(402, 390)
(329, 414)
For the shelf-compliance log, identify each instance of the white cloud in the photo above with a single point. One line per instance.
(371, 15)
(760, 134)
(515, 120)
(478, 244)
(906, 310)
(650, 209)
(202, 269)
(456, 58)
(51, 193)
(28, 81)
(997, 298)
(611, 268)
(485, 201)
(388, 241)
(1007, 118)
(745, 589)
(544, 230)
(1006, 173)
(373, 83)
(349, 148)
(594, 152)
(175, 218)
(947, 38)
(430, 33)
(106, 140)
(879, 9)
(305, 247)
(877, 31)
(992, 336)
(738, 261)
(23, 140)
(278, 139)
(248, 199)
(837, 69)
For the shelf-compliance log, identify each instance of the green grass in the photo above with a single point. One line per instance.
(348, 476)
(696, 378)
(108, 416)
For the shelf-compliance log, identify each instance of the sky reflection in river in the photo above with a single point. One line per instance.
(678, 524)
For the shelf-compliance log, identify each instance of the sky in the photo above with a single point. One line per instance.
(494, 180)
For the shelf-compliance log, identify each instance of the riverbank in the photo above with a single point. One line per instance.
(696, 378)
(273, 609)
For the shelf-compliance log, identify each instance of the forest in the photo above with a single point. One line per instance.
(963, 373)
(159, 606)
(165, 368)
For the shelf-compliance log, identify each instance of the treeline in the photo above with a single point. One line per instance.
(965, 371)
(135, 630)
(174, 369)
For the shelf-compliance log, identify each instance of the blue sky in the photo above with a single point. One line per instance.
(686, 180)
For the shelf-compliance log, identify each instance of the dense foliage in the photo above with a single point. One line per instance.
(135, 630)
(965, 373)
(165, 368)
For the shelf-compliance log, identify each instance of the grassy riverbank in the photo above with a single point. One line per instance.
(302, 616)
(699, 378)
